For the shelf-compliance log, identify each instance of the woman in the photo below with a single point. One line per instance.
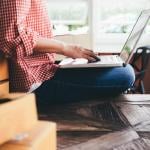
(26, 40)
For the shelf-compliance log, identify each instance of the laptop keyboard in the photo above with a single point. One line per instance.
(106, 59)
(110, 58)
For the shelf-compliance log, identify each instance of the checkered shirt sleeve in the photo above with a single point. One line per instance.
(22, 23)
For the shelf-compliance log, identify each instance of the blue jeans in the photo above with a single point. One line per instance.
(82, 84)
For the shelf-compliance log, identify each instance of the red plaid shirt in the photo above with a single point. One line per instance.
(21, 23)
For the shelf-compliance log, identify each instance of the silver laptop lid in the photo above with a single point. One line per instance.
(130, 45)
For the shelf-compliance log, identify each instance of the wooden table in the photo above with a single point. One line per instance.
(120, 123)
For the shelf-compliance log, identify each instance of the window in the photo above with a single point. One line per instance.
(69, 16)
(112, 21)
(107, 23)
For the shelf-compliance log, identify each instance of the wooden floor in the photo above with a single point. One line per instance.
(119, 123)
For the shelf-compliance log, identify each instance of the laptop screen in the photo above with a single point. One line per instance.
(130, 45)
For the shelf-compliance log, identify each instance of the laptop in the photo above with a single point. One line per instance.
(114, 60)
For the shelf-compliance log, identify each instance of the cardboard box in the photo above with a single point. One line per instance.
(41, 137)
(17, 115)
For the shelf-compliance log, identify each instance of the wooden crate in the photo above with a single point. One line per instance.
(41, 137)
(16, 115)
(4, 88)
(4, 76)
(3, 69)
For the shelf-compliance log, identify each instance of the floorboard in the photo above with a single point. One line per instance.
(114, 123)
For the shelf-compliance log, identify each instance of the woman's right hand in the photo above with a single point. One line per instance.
(75, 51)
(69, 50)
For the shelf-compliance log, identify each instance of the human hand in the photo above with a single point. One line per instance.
(75, 51)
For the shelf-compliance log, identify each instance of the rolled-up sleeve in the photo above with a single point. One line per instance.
(27, 35)
(28, 38)
(7, 25)
(14, 29)
(22, 22)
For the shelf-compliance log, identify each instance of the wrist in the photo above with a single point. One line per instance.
(59, 47)
(64, 49)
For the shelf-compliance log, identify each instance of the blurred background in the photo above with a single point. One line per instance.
(102, 25)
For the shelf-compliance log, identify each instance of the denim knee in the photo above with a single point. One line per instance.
(129, 75)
